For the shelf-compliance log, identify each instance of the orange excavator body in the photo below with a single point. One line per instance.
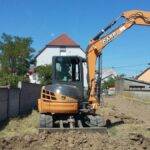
(63, 99)
(56, 103)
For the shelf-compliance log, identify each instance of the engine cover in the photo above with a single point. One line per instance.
(67, 90)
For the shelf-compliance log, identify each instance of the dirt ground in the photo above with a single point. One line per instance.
(128, 125)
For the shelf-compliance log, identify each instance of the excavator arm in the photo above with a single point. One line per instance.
(96, 45)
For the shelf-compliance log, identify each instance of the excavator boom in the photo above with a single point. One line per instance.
(102, 39)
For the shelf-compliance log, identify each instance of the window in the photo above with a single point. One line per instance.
(67, 69)
(63, 52)
(136, 87)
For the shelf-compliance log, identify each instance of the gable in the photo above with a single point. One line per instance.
(62, 41)
(145, 76)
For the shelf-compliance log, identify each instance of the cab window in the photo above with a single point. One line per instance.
(67, 69)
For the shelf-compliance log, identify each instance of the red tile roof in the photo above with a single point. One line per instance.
(63, 40)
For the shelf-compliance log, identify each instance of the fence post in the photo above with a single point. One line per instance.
(3, 103)
(8, 90)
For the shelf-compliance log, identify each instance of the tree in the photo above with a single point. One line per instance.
(15, 54)
(44, 74)
(109, 83)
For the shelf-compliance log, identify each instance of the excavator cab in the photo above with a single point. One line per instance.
(68, 71)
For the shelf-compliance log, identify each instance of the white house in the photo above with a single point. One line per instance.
(63, 45)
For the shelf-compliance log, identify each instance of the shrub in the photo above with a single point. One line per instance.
(10, 79)
(44, 74)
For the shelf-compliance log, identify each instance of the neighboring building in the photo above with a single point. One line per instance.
(125, 84)
(63, 45)
(133, 89)
(33, 77)
(108, 73)
(144, 76)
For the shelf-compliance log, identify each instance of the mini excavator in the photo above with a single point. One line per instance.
(64, 103)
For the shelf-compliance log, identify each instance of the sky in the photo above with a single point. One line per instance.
(44, 20)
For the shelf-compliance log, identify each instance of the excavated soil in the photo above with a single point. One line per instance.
(74, 140)
(126, 130)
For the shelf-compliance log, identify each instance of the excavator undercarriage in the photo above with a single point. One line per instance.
(69, 121)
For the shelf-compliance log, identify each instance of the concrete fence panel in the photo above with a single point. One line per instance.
(140, 95)
(3, 104)
(28, 97)
(14, 102)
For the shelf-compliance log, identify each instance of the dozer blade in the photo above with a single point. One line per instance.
(102, 130)
(90, 124)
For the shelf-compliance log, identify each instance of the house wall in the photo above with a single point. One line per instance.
(145, 76)
(128, 83)
(124, 85)
(34, 78)
(46, 56)
(123, 89)
(85, 76)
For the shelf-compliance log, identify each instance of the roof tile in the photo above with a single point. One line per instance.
(63, 40)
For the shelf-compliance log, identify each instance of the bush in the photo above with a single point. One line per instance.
(11, 80)
(44, 74)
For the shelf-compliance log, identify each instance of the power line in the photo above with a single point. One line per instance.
(138, 65)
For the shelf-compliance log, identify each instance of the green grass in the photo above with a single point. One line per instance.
(20, 126)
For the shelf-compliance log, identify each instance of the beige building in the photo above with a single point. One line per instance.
(144, 76)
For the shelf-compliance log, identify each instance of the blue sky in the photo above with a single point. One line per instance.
(43, 20)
